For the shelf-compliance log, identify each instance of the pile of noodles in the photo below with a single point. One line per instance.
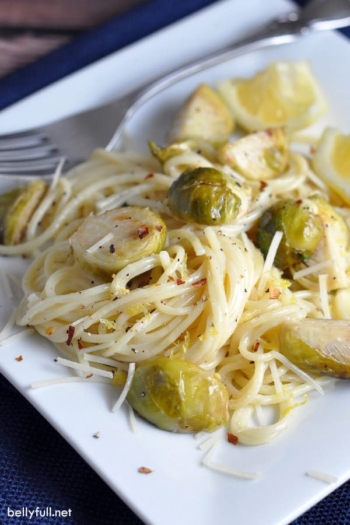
(208, 296)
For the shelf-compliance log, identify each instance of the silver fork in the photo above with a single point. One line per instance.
(37, 152)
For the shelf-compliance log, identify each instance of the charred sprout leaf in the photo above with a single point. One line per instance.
(167, 152)
(199, 147)
(106, 243)
(258, 156)
(196, 147)
(205, 196)
(302, 231)
(205, 116)
(177, 395)
(317, 345)
(16, 218)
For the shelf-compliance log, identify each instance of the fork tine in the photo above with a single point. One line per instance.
(27, 153)
(38, 152)
(37, 166)
(15, 141)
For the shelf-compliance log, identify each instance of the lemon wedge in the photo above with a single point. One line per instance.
(331, 162)
(285, 94)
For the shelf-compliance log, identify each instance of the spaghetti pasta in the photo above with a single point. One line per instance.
(206, 296)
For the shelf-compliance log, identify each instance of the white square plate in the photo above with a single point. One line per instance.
(181, 489)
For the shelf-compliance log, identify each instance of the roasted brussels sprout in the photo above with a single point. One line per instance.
(6, 200)
(258, 156)
(302, 231)
(106, 243)
(317, 345)
(178, 396)
(335, 245)
(341, 304)
(205, 116)
(23, 203)
(205, 196)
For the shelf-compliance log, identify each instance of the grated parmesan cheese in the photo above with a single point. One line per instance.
(275, 376)
(58, 172)
(226, 469)
(105, 361)
(132, 419)
(126, 387)
(209, 443)
(322, 280)
(99, 243)
(270, 257)
(303, 375)
(310, 270)
(19, 335)
(81, 320)
(59, 381)
(84, 368)
(322, 476)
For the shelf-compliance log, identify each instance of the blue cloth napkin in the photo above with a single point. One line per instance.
(38, 469)
(121, 31)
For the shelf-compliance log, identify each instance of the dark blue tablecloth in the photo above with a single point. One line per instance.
(37, 467)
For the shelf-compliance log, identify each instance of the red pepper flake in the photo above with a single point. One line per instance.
(256, 346)
(70, 332)
(19, 358)
(149, 176)
(298, 202)
(179, 281)
(88, 376)
(313, 150)
(263, 185)
(231, 438)
(142, 232)
(80, 344)
(145, 470)
(200, 282)
(159, 227)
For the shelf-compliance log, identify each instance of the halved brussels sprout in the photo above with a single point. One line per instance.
(205, 116)
(258, 156)
(302, 231)
(335, 245)
(317, 345)
(6, 200)
(205, 196)
(24, 201)
(178, 396)
(106, 243)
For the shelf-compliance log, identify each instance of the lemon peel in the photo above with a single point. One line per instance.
(284, 94)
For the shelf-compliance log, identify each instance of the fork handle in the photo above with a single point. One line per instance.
(282, 30)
